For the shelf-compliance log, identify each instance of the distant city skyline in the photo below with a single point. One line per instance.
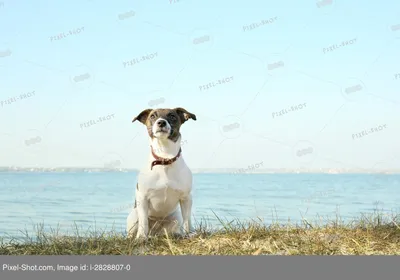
(233, 171)
(292, 84)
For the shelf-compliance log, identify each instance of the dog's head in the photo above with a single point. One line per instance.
(164, 123)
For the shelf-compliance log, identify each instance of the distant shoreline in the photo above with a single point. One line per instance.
(232, 171)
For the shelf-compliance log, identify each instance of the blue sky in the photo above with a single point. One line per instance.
(298, 38)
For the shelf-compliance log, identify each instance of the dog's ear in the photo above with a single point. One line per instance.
(184, 115)
(142, 117)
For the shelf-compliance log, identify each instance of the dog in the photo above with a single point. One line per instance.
(165, 181)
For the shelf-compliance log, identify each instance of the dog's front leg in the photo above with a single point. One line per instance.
(186, 208)
(143, 216)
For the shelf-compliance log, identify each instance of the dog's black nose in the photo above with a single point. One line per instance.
(161, 123)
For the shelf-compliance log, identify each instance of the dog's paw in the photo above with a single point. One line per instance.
(190, 235)
(141, 237)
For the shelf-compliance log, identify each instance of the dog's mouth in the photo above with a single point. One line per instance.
(162, 130)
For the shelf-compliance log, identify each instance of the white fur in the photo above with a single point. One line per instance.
(160, 192)
(165, 133)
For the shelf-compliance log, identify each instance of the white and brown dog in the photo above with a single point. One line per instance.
(166, 181)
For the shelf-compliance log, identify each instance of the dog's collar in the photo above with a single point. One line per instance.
(163, 161)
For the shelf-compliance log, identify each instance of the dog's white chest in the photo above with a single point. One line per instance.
(164, 187)
(174, 180)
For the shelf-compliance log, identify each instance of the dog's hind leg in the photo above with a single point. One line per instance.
(132, 223)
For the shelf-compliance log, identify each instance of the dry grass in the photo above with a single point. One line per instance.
(376, 234)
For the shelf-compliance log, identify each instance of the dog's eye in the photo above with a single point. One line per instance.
(152, 117)
(171, 116)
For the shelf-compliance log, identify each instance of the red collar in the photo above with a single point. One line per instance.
(163, 161)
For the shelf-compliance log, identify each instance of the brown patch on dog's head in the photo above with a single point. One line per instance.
(175, 118)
